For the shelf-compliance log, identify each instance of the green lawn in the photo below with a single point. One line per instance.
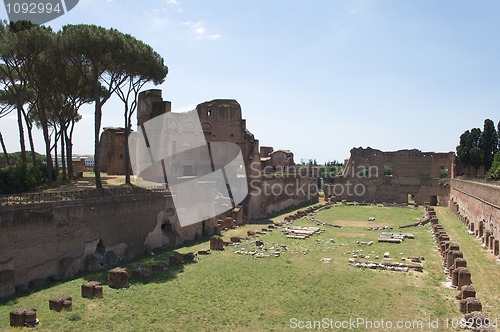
(229, 292)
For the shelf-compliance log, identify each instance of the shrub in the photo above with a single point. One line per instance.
(16, 179)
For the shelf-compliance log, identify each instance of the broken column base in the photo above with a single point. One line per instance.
(58, 303)
(92, 289)
(21, 317)
(118, 278)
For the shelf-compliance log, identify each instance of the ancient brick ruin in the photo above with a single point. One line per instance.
(394, 177)
(112, 145)
(221, 121)
(477, 205)
(53, 241)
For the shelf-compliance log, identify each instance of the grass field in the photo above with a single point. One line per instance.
(229, 292)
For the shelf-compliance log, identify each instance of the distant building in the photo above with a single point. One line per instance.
(89, 161)
(112, 155)
(275, 160)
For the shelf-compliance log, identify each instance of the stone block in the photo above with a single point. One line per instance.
(454, 276)
(140, 274)
(92, 289)
(473, 304)
(467, 291)
(159, 267)
(452, 255)
(191, 257)
(478, 321)
(204, 252)
(118, 278)
(216, 243)
(175, 260)
(235, 239)
(21, 317)
(464, 277)
(61, 302)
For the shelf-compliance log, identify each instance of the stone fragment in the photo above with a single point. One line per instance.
(140, 274)
(60, 302)
(21, 317)
(216, 243)
(159, 267)
(92, 289)
(118, 278)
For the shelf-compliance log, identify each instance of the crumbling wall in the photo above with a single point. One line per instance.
(57, 240)
(221, 121)
(112, 151)
(280, 192)
(478, 207)
(374, 175)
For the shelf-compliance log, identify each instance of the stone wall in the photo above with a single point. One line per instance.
(112, 153)
(56, 240)
(478, 206)
(221, 121)
(374, 175)
(280, 192)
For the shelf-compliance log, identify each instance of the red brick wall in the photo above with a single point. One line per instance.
(478, 206)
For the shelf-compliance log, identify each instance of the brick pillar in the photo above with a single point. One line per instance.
(454, 276)
(444, 246)
(458, 262)
(486, 238)
(473, 304)
(496, 248)
(464, 277)
(467, 291)
(451, 255)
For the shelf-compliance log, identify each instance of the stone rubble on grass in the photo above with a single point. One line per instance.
(379, 228)
(394, 237)
(364, 243)
(386, 264)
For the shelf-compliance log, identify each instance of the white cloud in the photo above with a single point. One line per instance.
(174, 5)
(200, 31)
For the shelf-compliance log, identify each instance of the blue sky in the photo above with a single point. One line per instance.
(317, 77)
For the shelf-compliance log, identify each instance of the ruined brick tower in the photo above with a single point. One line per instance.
(150, 105)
